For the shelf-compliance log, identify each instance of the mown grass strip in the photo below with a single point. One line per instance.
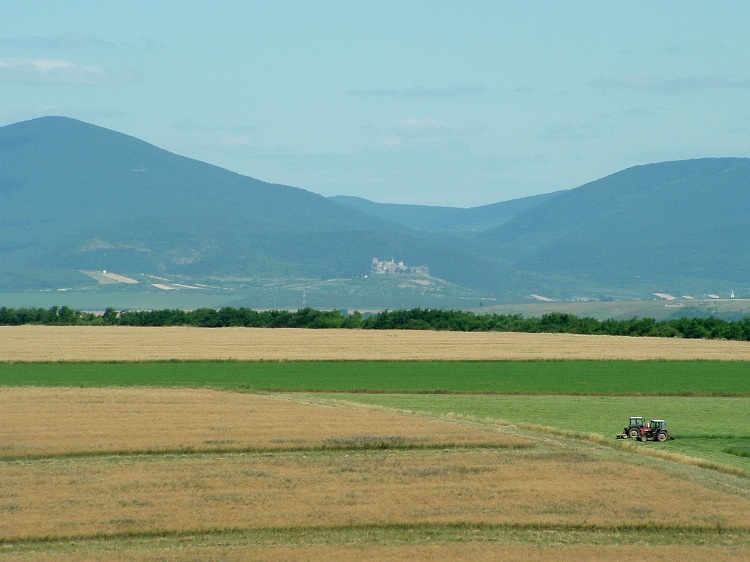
(607, 378)
(649, 532)
(738, 451)
(332, 447)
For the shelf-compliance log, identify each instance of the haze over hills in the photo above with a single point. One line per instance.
(77, 197)
(453, 220)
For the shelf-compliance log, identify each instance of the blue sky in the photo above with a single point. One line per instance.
(429, 102)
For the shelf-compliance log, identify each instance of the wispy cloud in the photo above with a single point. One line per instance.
(192, 124)
(637, 112)
(456, 91)
(633, 113)
(54, 72)
(238, 141)
(670, 85)
(423, 133)
(74, 41)
(433, 127)
(569, 132)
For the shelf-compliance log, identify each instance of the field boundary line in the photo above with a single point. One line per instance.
(709, 530)
(376, 445)
(270, 390)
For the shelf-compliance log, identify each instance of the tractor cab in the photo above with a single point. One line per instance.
(634, 426)
(657, 425)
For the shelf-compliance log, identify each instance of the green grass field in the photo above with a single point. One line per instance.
(614, 378)
(716, 429)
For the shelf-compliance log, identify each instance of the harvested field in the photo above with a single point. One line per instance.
(193, 493)
(58, 421)
(143, 473)
(121, 343)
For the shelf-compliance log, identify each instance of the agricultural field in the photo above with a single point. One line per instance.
(667, 378)
(709, 431)
(123, 343)
(473, 454)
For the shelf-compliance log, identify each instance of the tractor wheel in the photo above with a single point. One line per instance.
(641, 438)
(661, 437)
(633, 432)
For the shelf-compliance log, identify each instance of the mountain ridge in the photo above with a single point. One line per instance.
(81, 197)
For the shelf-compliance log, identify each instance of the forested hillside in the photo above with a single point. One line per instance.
(673, 224)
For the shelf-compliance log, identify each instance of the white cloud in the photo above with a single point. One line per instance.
(51, 72)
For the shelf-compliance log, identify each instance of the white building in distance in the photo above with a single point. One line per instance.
(379, 266)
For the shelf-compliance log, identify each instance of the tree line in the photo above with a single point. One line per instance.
(414, 319)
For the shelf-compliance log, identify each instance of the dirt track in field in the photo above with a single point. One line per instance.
(120, 343)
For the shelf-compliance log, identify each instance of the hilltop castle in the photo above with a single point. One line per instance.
(379, 266)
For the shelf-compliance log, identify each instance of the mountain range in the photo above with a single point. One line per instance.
(77, 198)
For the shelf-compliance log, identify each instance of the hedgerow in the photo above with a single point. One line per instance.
(413, 319)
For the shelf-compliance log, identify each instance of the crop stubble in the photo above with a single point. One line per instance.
(57, 421)
(505, 481)
(64, 497)
(123, 343)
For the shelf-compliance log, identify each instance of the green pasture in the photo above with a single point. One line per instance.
(713, 428)
(615, 378)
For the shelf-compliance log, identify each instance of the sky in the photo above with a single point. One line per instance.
(453, 103)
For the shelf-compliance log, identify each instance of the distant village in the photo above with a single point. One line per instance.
(379, 266)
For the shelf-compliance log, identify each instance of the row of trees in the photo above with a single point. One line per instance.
(414, 319)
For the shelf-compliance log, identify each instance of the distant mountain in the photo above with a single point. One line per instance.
(678, 223)
(455, 220)
(80, 197)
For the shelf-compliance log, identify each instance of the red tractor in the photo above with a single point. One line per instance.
(634, 428)
(655, 430)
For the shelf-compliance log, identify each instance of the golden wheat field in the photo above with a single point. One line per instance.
(54, 421)
(122, 343)
(154, 465)
(64, 497)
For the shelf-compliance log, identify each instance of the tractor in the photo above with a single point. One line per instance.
(655, 430)
(633, 429)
